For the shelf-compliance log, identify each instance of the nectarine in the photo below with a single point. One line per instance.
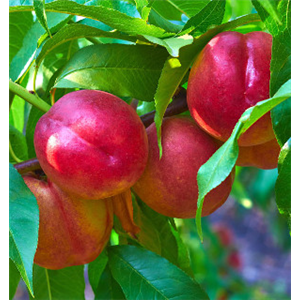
(263, 156)
(231, 74)
(71, 231)
(169, 185)
(91, 144)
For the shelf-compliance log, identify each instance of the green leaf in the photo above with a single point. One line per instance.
(173, 9)
(283, 13)
(18, 144)
(96, 268)
(123, 70)
(281, 121)
(24, 56)
(158, 235)
(108, 288)
(172, 44)
(175, 69)
(109, 16)
(76, 31)
(280, 64)
(23, 226)
(14, 278)
(211, 14)
(270, 7)
(39, 9)
(158, 20)
(145, 275)
(19, 25)
(221, 163)
(283, 183)
(281, 47)
(67, 283)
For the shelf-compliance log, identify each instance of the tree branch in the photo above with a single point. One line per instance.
(177, 106)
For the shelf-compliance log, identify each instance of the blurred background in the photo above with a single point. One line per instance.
(246, 253)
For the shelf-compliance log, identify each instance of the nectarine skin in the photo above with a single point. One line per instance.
(71, 231)
(91, 144)
(169, 185)
(263, 156)
(231, 74)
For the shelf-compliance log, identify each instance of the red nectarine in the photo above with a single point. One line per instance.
(91, 144)
(169, 185)
(231, 74)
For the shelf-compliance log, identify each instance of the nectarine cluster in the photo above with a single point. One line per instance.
(93, 146)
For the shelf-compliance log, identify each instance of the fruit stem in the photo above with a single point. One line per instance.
(30, 98)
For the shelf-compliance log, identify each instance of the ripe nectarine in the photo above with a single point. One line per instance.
(169, 185)
(263, 156)
(91, 144)
(231, 74)
(71, 231)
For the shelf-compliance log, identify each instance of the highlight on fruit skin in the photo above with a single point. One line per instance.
(92, 144)
(71, 231)
(231, 74)
(169, 185)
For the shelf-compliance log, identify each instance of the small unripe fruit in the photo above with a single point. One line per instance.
(91, 144)
(231, 74)
(169, 185)
(71, 231)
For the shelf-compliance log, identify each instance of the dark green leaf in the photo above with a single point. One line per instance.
(283, 183)
(156, 19)
(23, 226)
(281, 121)
(14, 278)
(108, 288)
(145, 275)
(67, 283)
(96, 268)
(280, 64)
(123, 70)
(158, 235)
(211, 14)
